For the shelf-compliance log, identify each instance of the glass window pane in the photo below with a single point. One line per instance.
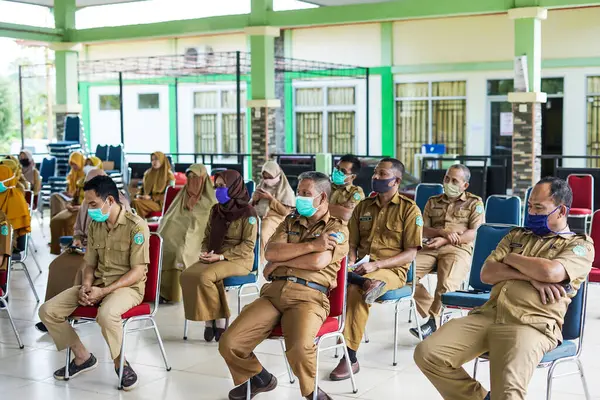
(229, 128)
(500, 87)
(553, 85)
(309, 97)
(412, 130)
(593, 128)
(109, 102)
(206, 100)
(412, 89)
(593, 85)
(309, 132)
(341, 132)
(148, 101)
(341, 96)
(449, 89)
(229, 99)
(449, 124)
(205, 131)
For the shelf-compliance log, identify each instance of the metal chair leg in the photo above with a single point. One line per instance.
(586, 390)
(122, 355)
(287, 364)
(37, 298)
(366, 336)
(394, 363)
(248, 390)
(185, 330)
(12, 323)
(68, 356)
(160, 344)
(475, 367)
(349, 365)
(36, 263)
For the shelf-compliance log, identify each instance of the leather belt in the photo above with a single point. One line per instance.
(302, 282)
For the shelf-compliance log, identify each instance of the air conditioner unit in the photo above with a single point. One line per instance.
(198, 56)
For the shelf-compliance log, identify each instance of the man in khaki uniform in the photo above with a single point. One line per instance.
(450, 225)
(388, 228)
(345, 195)
(113, 279)
(304, 256)
(535, 271)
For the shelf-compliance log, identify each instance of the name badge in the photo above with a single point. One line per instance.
(367, 218)
(293, 233)
(516, 245)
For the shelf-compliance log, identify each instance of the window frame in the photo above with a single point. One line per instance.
(139, 94)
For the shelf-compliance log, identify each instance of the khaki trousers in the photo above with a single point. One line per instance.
(63, 273)
(62, 224)
(145, 207)
(55, 311)
(57, 204)
(357, 312)
(268, 227)
(452, 268)
(204, 296)
(301, 312)
(514, 353)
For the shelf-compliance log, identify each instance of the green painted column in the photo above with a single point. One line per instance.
(528, 41)
(388, 128)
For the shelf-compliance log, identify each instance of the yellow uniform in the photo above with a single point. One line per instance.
(452, 262)
(381, 232)
(299, 309)
(5, 245)
(204, 296)
(112, 253)
(514, 327)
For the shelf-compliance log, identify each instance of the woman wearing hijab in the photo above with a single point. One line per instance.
(58, 201)
(154, 185)
(227, 250)
(14, 206)
(182, 229)
(273, 200)
(30, 172)
(64, 271)
(13, 164)
(62, 223)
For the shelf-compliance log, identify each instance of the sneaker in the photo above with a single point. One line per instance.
(41, 327)
(75, 369)
(256, 386)
(426, 329)
(130, 379)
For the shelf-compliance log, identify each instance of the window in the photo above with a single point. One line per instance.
(502, 87)
(215, 121)
(430, 112)
(109, 102)
(148, 101)
(326, 119)
(593, 120)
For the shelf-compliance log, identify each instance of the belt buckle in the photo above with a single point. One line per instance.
(292, 279)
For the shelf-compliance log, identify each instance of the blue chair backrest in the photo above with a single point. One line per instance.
(115, 154)
(526, 203)
(102, 152)
(48, 168)
(488, 237)
(410, 273)
(503, 210)
(72, 128)
(426, 190)
(573, 325)
(433, 148)
(256, 253)
(250, 187)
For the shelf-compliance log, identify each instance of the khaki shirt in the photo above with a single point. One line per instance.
(295, 229)
(386, 232)
(518, 302)
(5, 241)
(346, 194)
(240, 239)
(464, 213)
(113, 252)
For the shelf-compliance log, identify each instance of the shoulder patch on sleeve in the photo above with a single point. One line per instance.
(580, 250)
(252, 220)
(138, 238)
(4, 230)
(479, 208)
(419, 221)
(356, 196)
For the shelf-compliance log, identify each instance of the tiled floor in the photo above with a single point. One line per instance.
(198, 372)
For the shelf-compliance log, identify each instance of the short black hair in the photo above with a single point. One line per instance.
(465, 170)
(104, 186)
(396, 164)
(321, 181)
(354, 160)
(559, 190)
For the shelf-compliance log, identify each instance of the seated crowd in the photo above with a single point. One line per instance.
(213, 225)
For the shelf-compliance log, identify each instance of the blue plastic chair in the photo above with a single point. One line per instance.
(47, 169)
(250, 187)
(526, 204)
(426, 190)
(488, 237)
(570, 349)
(240, 283)
(398, 297)
(501, 209)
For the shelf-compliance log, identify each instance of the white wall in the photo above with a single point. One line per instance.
(375, 116)
(105, 126)
(222, 43)
(149, 48)
(571, 33)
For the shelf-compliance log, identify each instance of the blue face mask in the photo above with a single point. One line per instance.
(538, 224)
(222, 194)
(97, 215)
(338, 177)
(304, 206)
(382, 185)
(3, 187)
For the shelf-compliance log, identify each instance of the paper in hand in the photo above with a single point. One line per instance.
(364, 260)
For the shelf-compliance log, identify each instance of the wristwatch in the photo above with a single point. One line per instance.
(221, 257)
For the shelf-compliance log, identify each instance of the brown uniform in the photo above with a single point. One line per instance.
(112, 253)
(299, 309)
(514, 327)
(452, 262)
(204, 296)
(346, 195)
(381, 232)
(275, 216)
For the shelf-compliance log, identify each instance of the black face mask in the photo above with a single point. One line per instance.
(25, 162)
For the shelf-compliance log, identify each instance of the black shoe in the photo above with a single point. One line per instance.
(162, 300)
(130, 379)
(75, 369)
(489, 396)
(426, 329)
(41, 327)
(209, 332)
(256, 386)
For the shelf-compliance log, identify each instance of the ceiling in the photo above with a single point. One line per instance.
(344, 2)
(80, 3)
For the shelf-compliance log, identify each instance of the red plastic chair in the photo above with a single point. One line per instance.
(333, 327)
(594, 276)
(582, 186)
(146, 311)
(180, 179)
(170, 194)
(5, 282)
